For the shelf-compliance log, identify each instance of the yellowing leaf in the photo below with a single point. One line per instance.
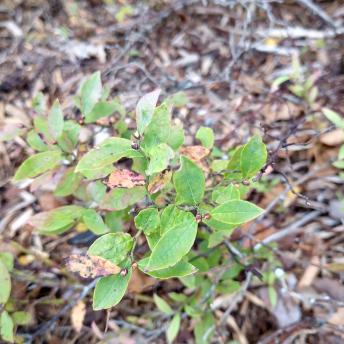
(159, 181)
(195, 153)
(125, 179)
(91, 266)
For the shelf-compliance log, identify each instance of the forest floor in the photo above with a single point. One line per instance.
(225, 56)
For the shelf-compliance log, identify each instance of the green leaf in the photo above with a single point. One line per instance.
(153, 239)
(145, 109)
(206, 136)
(189, 183)
(160, 157)
(253, 157)
(173, 328)
(21, 318)
(70, 136)
(97, 190)
(94, 222)
(37, 164)
(53, 221)
(115, 220)
(220, 226)
(204, 328)
(41, 126)
(162, 305)
(341, 153)
(174, 244)
(6, 327)
(178, 99)
(5, 283)
(114, 247)
(171, 217)
(110, 290)
(180, 269)
(223, 194)
(35, 142)
(90, 93)
(339, 164)
(38, 103)
(147, 220)
(218, 165)
(334, 117)
(68, 184)
(55, 120)
(160, 130)
(103, 109)
(236, 212)
(7, 259)
(120, 198)
(234, 165)
(97, 163)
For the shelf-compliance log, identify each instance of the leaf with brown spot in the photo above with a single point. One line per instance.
(159, 181)
(91, 266)
(195, 153)
(125, 179)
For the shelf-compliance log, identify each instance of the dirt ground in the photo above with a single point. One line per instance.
(225, 56)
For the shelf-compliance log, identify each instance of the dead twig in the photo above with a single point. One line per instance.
(310, 5)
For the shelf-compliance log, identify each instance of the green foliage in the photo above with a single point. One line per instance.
(37, 164)
(173, 328)
(338, 121)
(189, 182)
(9, 318)
(206, 136)
(5, 282)
(182, 212)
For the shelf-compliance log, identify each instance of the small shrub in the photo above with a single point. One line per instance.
(151, 178)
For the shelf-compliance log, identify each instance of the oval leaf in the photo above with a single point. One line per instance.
(110, 290)
(113, 246)
(189, 182)
(90, 93)
(159, 181)
(162, 305)
(37, 164)
(147, 220)
(97, 163)
(145, 109)
(173, 328)
(174, 244)
(91, 266)
(125, 179)
(206, 136)
(6, 327)
(119, 199)
(94, 222)
(55, 120)
(5, 283)
(236, 212)
(57, 219)
(253, 157)
(181, 269)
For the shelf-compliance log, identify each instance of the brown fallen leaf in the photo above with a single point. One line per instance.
(332, 138)
(195, 153)
(125, 179)
(91, 266)
(159, 181)
(77, 315)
